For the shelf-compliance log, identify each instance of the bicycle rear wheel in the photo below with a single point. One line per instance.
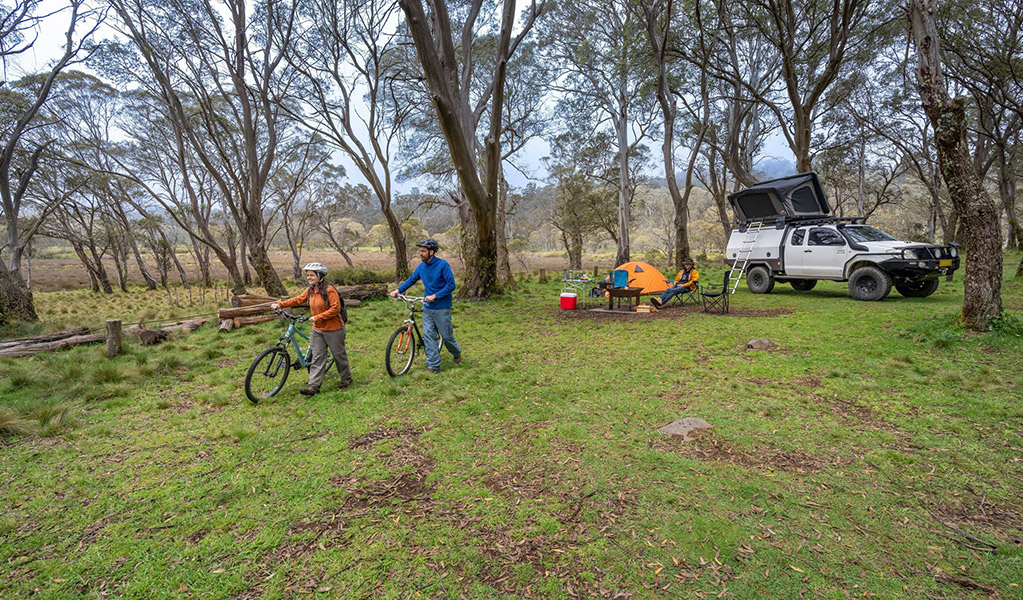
(401, 351)
(267, 374)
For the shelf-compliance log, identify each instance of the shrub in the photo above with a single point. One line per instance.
(356, 276)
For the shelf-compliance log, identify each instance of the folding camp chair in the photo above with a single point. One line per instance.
(715, 296)
(619, 278)
(690, 297)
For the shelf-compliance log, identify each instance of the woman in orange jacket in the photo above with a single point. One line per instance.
(328, 327)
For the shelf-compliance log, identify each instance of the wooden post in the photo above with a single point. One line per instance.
(113, 337)
(543, 275)
(595, 273)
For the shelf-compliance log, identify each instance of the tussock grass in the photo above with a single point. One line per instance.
(13, 423)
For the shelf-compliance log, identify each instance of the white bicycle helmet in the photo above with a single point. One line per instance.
(316, 267)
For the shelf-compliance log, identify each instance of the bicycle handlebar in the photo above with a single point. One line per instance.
(412, 299)
(288, 315)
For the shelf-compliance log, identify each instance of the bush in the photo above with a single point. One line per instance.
(356, 276)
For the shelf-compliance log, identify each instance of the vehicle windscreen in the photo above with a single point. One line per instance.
(864, 233)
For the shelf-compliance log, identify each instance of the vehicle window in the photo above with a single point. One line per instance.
(865, 233)
(797, 237)
(820, 236)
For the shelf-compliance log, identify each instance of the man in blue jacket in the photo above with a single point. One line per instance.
(438, 283)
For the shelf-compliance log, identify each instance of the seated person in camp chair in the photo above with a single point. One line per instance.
(685, 282)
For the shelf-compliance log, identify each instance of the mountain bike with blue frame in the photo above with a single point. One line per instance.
(406, 341)
(269, 372)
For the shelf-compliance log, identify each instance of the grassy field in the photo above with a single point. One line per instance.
(876, 453)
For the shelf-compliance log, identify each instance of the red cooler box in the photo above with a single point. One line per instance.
(568, 300)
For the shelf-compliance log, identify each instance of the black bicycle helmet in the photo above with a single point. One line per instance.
(688, 261)
(429, 244)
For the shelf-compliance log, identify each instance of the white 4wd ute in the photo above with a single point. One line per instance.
(783, 233)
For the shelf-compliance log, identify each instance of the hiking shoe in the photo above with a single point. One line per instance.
(656, 302)
(431, 371)
(344, 383)
(309, 391)
(458, 359)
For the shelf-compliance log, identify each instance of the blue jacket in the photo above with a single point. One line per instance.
(437, 279)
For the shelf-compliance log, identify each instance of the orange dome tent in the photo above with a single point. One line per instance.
(644, 276)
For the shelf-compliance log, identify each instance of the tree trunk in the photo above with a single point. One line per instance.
(401, 270)
(982, 234)
(243, 254)
(624, 197)
(504, 272)
(1007, 191)
(575, 250)
(15, 298)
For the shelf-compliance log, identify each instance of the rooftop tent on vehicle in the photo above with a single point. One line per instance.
(793, 196)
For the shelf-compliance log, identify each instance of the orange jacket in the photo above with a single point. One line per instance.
(690, 284)
(327, 319)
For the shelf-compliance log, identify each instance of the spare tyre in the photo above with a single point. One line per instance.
(803, 285)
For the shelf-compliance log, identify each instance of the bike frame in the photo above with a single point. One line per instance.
(411, 302)
(304, 358)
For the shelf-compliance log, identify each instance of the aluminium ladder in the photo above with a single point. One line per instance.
(742, 257)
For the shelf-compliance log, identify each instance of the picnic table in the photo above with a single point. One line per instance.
(622, 292)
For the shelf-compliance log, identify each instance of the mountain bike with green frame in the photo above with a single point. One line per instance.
(269, 372)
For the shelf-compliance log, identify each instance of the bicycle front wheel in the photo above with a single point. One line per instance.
(401, 351)
(267, 374)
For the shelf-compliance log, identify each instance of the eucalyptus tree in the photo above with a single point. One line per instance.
(219, 75)
(983, 51)
(18, 164)
(333, 205)
(601, 50)
(983, 280)
(581, 206)
(349, 56)
(289, 195)
(815, 43)
(461, 94)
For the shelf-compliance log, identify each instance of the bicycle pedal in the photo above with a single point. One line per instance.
(296, 365)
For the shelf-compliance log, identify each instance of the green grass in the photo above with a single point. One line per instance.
(838, 465)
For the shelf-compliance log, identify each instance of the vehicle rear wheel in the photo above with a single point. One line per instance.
(401, 351)
(803, 285)
(267, 374)
(759, 280)
(918, 289)
(869, 284)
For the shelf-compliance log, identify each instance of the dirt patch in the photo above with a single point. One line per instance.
(707, 446)
(1005, 521)
(855, 415)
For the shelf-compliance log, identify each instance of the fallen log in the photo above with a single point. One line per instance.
(152, 337)
(226, 325)
(352, 303)
(250, 300)
(243, 311)
(242, 321)
(363, 291)
(47, 337)
(68, 342)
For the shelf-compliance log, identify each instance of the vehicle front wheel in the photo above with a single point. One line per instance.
(869, 284)
(759, 280)
(918, 289)
(803, 285)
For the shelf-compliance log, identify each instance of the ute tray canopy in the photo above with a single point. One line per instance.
(797, 196)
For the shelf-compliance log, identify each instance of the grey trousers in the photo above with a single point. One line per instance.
(319, 341)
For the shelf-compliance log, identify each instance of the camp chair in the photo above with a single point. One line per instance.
(715, 296)
(619, 278)
(690, 297)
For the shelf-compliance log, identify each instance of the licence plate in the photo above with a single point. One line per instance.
(945, 263)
